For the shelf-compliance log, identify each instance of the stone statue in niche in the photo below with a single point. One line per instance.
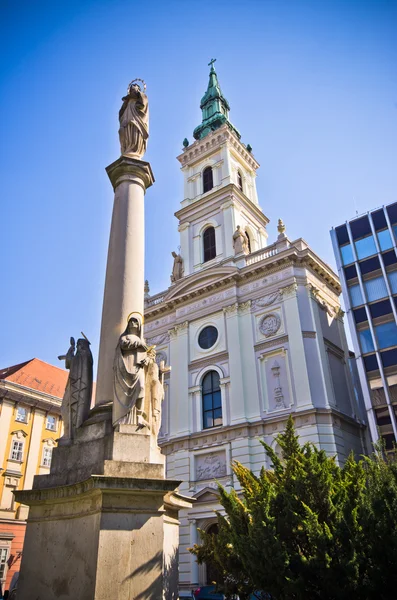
(129, 374)
(270, 324)
(210, 465)
(240, 242)
(77, 397)
(278, 391)
(177, 269)
(134, 121)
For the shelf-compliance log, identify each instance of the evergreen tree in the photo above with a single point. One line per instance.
(307, 528)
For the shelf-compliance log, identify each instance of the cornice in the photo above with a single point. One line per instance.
(208, 361)
(14, 392)
(268, 425)
(220, 195)
(211, 143)
(278, 341)
(291, 257)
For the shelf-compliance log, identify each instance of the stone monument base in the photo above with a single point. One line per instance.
(101, 527)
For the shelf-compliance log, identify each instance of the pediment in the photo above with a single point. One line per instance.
(200, 281)
(19, 434)
(207, 494)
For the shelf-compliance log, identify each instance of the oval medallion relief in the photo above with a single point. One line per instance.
(270, 324)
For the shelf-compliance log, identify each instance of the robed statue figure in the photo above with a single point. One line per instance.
(134, 122)
(77, 397)
(129, 373)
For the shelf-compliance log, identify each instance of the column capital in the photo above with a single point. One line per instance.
(130, 169)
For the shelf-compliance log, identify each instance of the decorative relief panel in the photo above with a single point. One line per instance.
(210, 466)
(275, 380)
(206, 302)
(163, 338)
(270, 324)
(159, 322)
(267, 300)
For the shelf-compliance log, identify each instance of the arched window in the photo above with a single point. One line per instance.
(239, 180)
(208, 181)
(212, 572)
(248, 241)
(211, 398)
(209, 244)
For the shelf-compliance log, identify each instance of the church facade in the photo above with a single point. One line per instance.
(253, 332)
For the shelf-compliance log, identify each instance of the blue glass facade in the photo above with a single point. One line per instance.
(366, 254)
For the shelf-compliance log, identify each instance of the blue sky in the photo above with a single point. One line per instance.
(312, 87)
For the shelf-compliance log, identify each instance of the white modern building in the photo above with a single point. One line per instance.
(253, 332)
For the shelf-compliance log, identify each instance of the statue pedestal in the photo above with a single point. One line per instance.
(104, 523)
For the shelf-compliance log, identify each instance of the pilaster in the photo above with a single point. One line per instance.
(180, 409)
(297, 350)
(237, 408)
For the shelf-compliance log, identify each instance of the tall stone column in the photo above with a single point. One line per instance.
(124, 281)
(104, 521)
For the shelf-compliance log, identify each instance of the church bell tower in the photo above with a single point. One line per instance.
(219, 189)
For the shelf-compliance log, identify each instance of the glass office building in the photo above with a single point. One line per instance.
(365, 252)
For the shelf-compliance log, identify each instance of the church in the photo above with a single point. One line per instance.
(252, 331)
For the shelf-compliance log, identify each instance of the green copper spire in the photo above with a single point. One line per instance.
(215, 108)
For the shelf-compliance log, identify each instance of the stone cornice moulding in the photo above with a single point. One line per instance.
(197, 208)
(183, 226)
(275, 342)
(214, 141)
(26, 395)
(270, 424)
(214, 359)
(265, 268)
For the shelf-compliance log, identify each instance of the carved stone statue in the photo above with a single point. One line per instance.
(177, 269)
(134, 122)
(155, 391)
(129, 373)
(77, 397)
(240, 242)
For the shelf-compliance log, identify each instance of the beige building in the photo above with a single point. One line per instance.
(30, 424)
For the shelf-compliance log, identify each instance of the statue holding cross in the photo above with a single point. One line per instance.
(211, 63)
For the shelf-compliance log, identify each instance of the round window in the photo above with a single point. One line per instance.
(208, 337)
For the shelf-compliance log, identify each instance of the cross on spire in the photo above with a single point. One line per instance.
(211, 63)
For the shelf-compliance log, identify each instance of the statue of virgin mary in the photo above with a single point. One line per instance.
(134, 122)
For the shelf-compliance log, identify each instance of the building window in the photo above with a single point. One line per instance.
(17, 451)
(209, 244)
(346, 254)
(393, 281)
(375, 288)
(51, 423)
(356, 297)
(365, 247)
(208, 337)
(22, 414)
(208, 180)
(239, 180)
(211, 398)
(384, 240)
(366, 342)
(386, 335)
(47, 455)
(3, 562)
